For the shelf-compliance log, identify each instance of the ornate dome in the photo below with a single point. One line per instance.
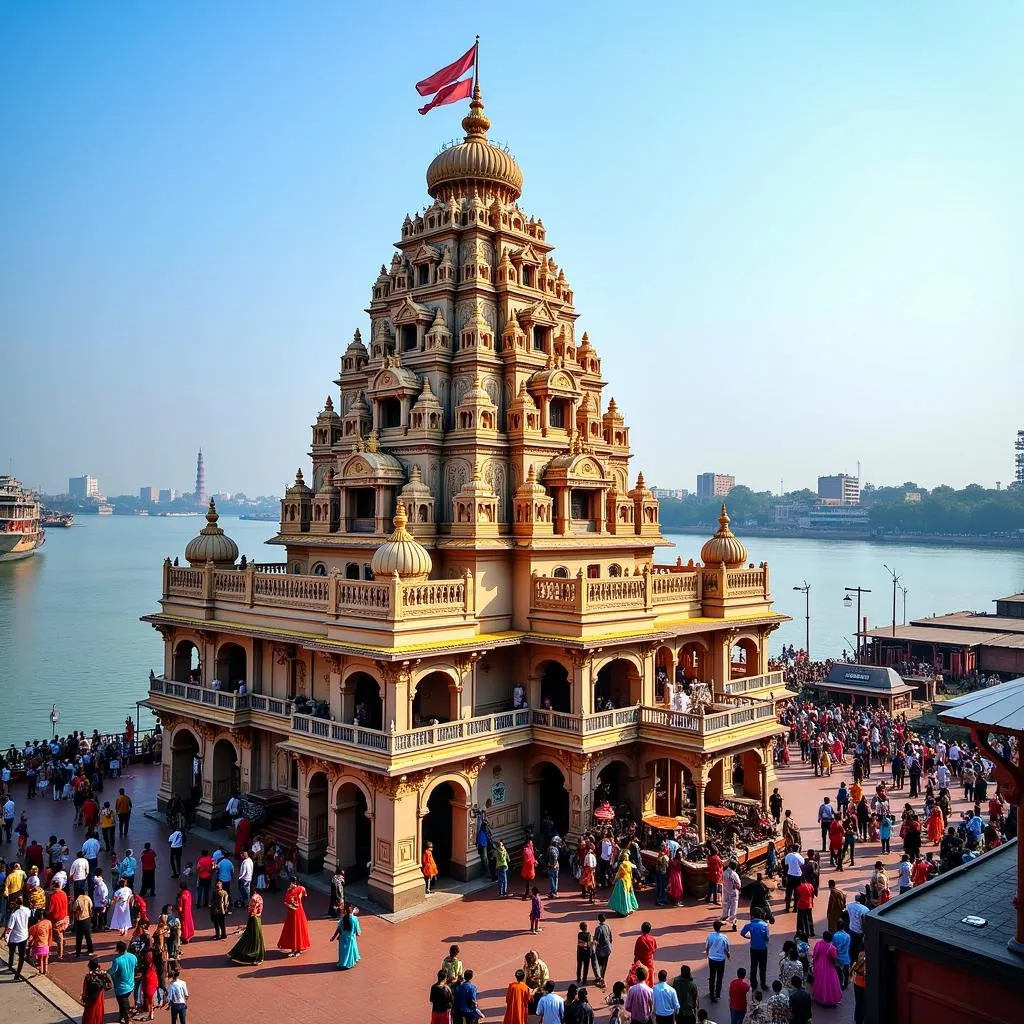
(724, 546)
(212, 544)
(475, 163)
(401, 553)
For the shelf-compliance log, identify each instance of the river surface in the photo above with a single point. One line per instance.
(70, 631)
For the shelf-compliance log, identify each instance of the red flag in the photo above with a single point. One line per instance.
(446, 75)
(450, 94)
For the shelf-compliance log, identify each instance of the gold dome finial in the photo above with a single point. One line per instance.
(723, 524)
(401, 517)
(211, 513)
(476, 121)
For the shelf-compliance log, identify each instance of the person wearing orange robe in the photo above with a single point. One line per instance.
(936, 825)
(517, 1001)
(429, 868)
(644, 949)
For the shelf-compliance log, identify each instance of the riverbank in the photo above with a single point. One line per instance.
(932, 539)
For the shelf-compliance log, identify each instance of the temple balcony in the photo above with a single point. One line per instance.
(219, 707)
(378, 612)
(765, 687)
(586, 607)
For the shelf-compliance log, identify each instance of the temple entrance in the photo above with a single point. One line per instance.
(226, 774)
(617, 686)
(353, 831)
(230, 666)
(673, 788)
(691, 661)
(554, 798)
(369, 708)
(437, 825)
(555, 691)
(186, 769)
(186, 668)
(317, 821)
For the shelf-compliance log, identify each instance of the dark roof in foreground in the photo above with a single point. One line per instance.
(1000, 708)
(932, 916)
(865, 677)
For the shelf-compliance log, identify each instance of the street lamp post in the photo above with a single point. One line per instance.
(806, 590)
(905, 591)
(895, 584)
(849, 601)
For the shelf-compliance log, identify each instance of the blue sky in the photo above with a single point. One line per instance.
(794, 230)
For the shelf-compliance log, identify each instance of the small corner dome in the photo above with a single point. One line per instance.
(212, 544)
(401, 553)
(724, 546)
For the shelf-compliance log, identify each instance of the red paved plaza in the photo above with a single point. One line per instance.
(400, 959)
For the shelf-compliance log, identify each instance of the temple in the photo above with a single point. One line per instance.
(468, 616)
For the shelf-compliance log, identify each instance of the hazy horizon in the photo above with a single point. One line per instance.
(794, 233)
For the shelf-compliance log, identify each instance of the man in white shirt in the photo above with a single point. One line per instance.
(100, 901)
(856, 911)
(8, 818)
(550, 1006)
(245, 868)
(604, 868)
(16, 934)
(794, 865)
(176, 840)
(177, 998)
(731, 885)
(79, 875)
(716, 949)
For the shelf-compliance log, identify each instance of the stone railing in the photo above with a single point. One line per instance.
(744, 684)
(663, 586)
(267, 705)
(272, 568)
(626, 592)
(675, 586)
(411, 740)
(554, 594)
(332, 595)
(746, 583)
(204, 695)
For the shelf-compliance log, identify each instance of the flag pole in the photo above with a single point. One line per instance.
(476, 65)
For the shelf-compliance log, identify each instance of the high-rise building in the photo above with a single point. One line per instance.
(200, 480)
(841, 489)
(83, 487)
(150, 494)
(167, 495)
(468, 501)
(1018, 474)
(714, 485)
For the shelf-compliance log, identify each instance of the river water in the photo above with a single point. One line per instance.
(70, 631)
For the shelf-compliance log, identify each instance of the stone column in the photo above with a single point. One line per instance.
(581, 790)
(582, 681)
(206, 812)
(395, 878)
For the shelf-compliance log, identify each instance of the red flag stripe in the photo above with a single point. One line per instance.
(451, 94)
(441, 78)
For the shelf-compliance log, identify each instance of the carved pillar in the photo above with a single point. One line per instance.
(314, 812)
(701, 777)
(582, 682)
(395, 878)
(334, 697)
(581, 795)
(649, 654)
(206, 812)
(244, 739)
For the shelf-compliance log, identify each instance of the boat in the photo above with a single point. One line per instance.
(261, 517)
(104, 509)
(21, 528)
(177, 515)
(57, 520)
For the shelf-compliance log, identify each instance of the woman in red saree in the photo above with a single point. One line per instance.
(188, 925)
(242, 834)
(675, 878)
(529, 869)
(295, 933)
(94, 988)
(936, 825)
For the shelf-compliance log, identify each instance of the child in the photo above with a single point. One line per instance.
(803, 951)
(616, 999)
(188, 870)
(535, 908)
(885, 832)
(429, 868)
(40, 935)
(758, 1012)
(773, 860)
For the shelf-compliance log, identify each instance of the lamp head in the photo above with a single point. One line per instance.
(848, 600)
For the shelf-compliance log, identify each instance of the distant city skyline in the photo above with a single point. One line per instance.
(799, 227)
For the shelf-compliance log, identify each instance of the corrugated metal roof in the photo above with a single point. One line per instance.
(937, 635)
(1000, 708)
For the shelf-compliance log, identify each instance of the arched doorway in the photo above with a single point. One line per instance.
(369, 707)
(613, 784)
(317, 821)
(186, 667)
(554, 798)
(435, 699)
(673, 788)
(231, 663)
(555, 691)
(743, 661)
(438, 825)
(353, 831)
(617, 685)
(692, 661)
(226, 774)
(186, 772)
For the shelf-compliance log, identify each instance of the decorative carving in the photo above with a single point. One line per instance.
(243, 737)
(471, 769)
(330, 768)
(581, 763)
(282, 652)
(396, 786)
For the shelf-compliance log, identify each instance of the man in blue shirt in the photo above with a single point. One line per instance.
(758, 932)
(666, 1002)
(225, 872)
(122, 974)
(464, 1010)
(841, 939)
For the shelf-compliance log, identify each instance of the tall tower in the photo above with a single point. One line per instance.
(1018, 466)
(200, 480)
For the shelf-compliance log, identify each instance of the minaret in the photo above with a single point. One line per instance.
(200, 480)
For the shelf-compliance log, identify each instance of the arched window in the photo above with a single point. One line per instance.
(319, 569)
(614, 571)
(561, 573)
(352, 571)
(594, 571)
(368, 573)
